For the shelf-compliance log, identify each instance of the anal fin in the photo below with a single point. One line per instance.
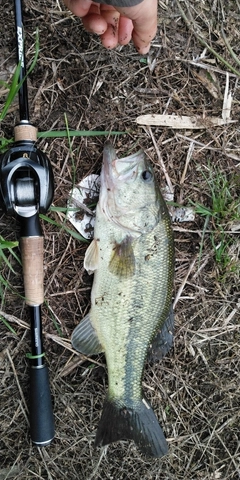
(163, 340)
(84, 338)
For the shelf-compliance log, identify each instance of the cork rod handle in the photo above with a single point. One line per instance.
(25, 132)
(32, 264)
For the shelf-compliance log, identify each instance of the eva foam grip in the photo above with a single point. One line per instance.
(41, 411)
(32, 264)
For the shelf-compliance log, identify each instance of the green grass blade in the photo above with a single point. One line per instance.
(63, 209)
(201, 209)
(55, 323)
(7, 325)
(202, 239)
(5, 259)
(5, 244)
(4, 84)
(76, 133)
(70, 150)
(3, 281)
(15, 84)
(12, 91)
(4, 144)
(62, 226)
(35, 58)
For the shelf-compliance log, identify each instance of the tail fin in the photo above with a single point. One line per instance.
(138, 423)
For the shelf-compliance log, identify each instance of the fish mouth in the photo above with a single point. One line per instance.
(120, 169)
(117, 171)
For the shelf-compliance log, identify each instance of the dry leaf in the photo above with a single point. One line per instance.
(210, 82)
(227, 101)
(183, 122)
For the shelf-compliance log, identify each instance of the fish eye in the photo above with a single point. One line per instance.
(147, 175)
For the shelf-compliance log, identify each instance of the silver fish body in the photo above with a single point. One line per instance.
(132, 257)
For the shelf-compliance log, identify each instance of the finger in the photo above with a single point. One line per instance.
(142, 37)
(94, 23)
(125, 28)
(110, 37)
(79, 8)
(144, 18)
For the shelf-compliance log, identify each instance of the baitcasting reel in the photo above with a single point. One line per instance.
(26, 178)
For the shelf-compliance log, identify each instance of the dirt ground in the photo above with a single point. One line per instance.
(195, 390)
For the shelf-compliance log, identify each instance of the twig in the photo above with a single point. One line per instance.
(178, 295)
(17, 382)
(205, 66)
(232, 53)
(203, 42)
(227, 101)
(58, 266)
(231, 315)
(160, 159)
(12, 318)
(189, 156)
(102, 454)
(207, 146)
(66, 343)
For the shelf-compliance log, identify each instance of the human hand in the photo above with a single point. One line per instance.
(117, 25)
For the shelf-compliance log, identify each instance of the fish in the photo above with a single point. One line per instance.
(132, 259)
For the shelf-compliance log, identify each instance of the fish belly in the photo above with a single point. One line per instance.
(126, 311)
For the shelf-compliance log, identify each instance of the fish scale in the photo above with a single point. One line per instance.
(132, 259)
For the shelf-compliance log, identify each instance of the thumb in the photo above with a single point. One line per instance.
(144, 18)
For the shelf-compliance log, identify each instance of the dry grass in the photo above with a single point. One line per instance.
(195, 391)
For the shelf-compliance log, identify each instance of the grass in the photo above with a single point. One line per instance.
(14, 88)
(195, 30)
(62, 226)
(6, 248)
(7, 325)
(68, 133)
(9, 246)
(223, 212)
(195, 389)
(15, 85)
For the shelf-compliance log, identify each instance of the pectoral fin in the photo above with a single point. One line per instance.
(91, 257)
(122, 262)
(84, 338)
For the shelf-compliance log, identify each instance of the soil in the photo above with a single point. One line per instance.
(195, 389)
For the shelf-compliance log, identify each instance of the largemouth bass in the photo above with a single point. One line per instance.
(131, 256)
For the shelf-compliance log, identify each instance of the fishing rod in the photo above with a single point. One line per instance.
(26, 190)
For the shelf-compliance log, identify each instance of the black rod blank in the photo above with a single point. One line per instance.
(22, 94)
